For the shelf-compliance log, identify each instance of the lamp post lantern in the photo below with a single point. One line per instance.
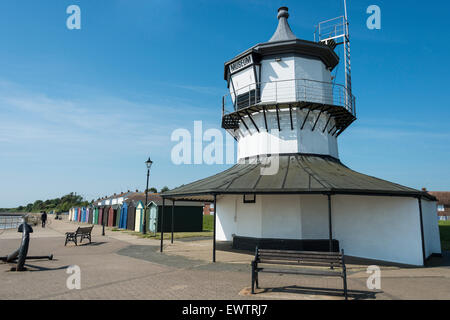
(148, 163)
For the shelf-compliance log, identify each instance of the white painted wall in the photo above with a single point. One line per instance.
(282, 81)
(252, 143)
(277, 80)
(314, 211)
(248, 217)
(382, 228)
(313, 88)
(431, 227)
(311, 68)
(226, 220)
(281, 210)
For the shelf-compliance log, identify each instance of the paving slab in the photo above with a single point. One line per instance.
(123, 266)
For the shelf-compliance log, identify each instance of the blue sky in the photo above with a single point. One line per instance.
(81, 110)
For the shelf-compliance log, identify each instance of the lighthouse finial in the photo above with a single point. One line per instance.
(283, 31)
(283, 12)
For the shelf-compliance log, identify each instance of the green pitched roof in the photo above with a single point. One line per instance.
(297, 174)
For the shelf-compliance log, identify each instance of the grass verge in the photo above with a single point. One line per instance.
(444, 230)
(168, 235)
(208, 223)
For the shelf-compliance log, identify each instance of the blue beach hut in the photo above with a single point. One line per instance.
(123, 216)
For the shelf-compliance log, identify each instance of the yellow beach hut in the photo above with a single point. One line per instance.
(139, 214)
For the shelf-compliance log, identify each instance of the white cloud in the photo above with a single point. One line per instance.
(29, 117)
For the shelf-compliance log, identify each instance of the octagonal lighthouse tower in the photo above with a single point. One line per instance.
(283, 99)
(289, 190)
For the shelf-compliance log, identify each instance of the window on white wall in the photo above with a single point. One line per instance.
(440, 207)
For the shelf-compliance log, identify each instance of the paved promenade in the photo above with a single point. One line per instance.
(122, 266)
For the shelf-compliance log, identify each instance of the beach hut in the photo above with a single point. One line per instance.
(115, 216)
(100, 215)
(95, 218)
(106, 215)
(123, 216)
(152, 217)
(138, 218)
(91, 215)
(188, 215)
(131, 214)
(78, 214)
(83, 216)
(110, 217)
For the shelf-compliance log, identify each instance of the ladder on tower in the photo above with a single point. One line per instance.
(348, 71)
(334, 32)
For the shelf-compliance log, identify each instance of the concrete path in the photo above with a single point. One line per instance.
(123, 266)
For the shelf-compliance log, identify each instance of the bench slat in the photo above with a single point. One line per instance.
(305, 272)
(297, 257)
(325, 253)
(300, 264)
(84, 230)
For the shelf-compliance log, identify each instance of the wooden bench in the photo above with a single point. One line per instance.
(318, 263)
(82, 232)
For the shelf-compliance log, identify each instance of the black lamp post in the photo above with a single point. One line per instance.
(103, 223)
(148, 163)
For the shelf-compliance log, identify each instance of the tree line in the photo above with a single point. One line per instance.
(62, 204)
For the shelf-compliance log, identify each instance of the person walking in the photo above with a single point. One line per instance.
(43, 218)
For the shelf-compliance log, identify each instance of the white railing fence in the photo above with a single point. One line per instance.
(289, 91)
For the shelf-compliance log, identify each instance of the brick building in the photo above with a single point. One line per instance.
(443, 204)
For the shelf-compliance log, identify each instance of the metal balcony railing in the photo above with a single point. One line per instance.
(330, 29)
(10, 221)
(289, 91)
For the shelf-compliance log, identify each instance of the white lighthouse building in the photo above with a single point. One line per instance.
(289, 189)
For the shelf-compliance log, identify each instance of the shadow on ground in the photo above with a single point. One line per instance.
(227, 246)
(34, 268)
(152, 254)
(443, 261)
(86, 244)
(300, 290)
